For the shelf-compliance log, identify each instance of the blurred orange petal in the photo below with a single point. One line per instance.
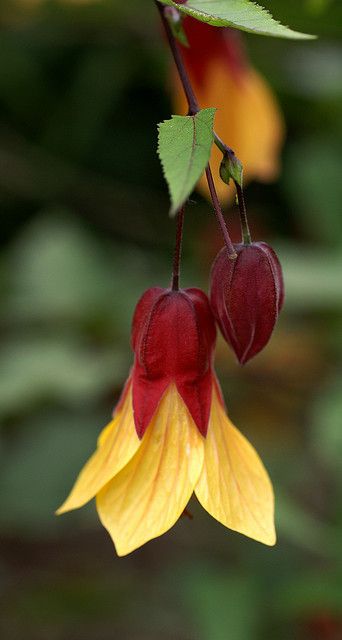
(248, 119)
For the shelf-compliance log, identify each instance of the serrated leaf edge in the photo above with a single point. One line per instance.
(175, 208)
(214, 20)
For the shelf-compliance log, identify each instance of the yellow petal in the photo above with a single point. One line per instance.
(234, 486)
(105, 433)
(118, 409)
(118, 442)
(147, 497)
(248, 119)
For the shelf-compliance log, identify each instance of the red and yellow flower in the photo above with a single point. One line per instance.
(248, 117)
(170, 435)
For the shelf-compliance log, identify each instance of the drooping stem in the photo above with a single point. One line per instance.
(219, 214)
(193, 109)
(178, 250)
(246, 234)
(177, 56)
(222, 145)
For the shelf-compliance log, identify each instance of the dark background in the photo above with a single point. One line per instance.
(85, 230)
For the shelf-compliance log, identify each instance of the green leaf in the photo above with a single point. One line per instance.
(239, 14)
(184, 145)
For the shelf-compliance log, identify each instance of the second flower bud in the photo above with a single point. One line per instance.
(246, 296)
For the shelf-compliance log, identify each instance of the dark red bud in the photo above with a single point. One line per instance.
(246, 297)
(173, 338)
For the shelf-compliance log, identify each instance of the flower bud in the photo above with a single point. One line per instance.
(173, 338)
(246, 297)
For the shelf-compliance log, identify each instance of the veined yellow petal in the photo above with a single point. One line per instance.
(118, 442)
(117, 410)
(234, 486)
(105, 433)
(148, 496)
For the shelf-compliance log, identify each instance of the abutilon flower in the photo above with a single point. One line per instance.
(248, 117)
(246, 296)
(170, 435)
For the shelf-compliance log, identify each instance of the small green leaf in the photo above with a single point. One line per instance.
(231, 167)
(184, 145)
(239, 14)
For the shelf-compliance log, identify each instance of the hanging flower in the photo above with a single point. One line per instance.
(248, 118)
(170, 435)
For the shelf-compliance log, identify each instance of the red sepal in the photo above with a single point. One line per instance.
(246, 296)
(173, 337)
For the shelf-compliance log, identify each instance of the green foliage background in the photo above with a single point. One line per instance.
(84, 231)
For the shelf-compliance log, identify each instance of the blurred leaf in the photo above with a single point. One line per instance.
(37, 474)
(326, 431)
(23, 87)
(313, 183)
(318, 6)
(57, 271)
(222, 604)
(77, 120)
(314, 72)
(304, 529)
(184, 145)
(59, 369)
(312, 278)
(240, 14)
(312, 591)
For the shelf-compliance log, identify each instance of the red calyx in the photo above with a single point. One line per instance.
(173, 338)
(246, 297)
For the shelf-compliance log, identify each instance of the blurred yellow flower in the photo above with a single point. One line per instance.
(248, 118)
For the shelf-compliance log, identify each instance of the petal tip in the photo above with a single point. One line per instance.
(60, 510)
(64, 508)
(269, 539)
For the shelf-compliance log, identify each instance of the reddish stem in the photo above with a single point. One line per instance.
(231, 251)
(193, 109)
(178, 250)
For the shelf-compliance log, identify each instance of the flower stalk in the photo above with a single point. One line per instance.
(193, 109)
(178, 250)
(178, 59)
(246, 234)
(227, 151)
